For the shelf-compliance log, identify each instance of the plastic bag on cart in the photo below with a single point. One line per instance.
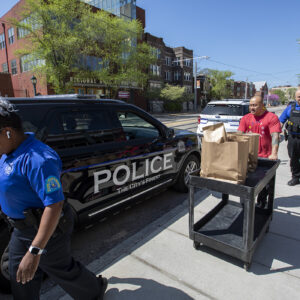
(253, 149)
(226, 160)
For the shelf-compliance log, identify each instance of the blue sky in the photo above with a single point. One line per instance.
(255, 39)
(258, 35)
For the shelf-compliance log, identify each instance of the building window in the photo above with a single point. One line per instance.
(4, 68)
(168, 61)
(187, 62)
(13, 65)
(168, 75)
(11, 35)
(155, 70)
(177, 75)
(156, 52)
(187, 76)
(29, 63)
(29, 22)
(176, 62)
(2, 41)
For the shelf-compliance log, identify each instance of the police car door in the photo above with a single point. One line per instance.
(146, 162)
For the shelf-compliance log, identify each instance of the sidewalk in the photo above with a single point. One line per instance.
(161, 263)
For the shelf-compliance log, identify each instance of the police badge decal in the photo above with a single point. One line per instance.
(52, 184)
(8, 169)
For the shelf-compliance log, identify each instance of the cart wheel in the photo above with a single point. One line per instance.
(247, 266)
(196, 245)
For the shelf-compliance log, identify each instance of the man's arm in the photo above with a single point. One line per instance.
(49, 221)
(275, 146)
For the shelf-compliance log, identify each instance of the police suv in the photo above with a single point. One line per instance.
(227, 111)
(112, 153)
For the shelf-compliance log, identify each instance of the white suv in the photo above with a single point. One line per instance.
(228, 111)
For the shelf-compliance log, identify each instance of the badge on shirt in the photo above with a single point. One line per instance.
(52, 184)
(8, 169)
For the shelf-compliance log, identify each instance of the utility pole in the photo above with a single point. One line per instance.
(246, 88)
(195, 79)
(195, 87)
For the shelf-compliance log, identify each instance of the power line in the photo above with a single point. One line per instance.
(257, 72)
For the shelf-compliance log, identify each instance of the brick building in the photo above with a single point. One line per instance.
(12, 39)
(261, 88)
(174, 65)
(6, 87)
(240, 88)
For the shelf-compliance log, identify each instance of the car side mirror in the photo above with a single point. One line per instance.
(170, 133)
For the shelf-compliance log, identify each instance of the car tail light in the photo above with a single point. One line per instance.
(199, 120)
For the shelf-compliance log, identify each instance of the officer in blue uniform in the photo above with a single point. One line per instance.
(32, 202)
(292, 114)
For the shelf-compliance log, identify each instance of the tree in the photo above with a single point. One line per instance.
(173, 93)
(281, 95)
(153, 93)
(220, 83)
(291, 93)
(71, 38)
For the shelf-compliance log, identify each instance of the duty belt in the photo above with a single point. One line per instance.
(32, 219)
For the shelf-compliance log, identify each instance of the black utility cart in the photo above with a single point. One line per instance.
(231, 227)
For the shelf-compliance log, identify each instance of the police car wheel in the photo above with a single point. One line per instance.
(4, 273)
(191, 164)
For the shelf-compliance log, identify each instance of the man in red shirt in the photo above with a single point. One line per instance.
(268, 126)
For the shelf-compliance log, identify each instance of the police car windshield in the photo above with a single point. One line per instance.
(223, 109)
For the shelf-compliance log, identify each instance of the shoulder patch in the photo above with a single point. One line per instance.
(52, 184)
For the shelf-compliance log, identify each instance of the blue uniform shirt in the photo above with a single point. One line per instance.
(29, 178)
(287, 113)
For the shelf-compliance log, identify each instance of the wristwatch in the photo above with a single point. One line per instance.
(36, 250)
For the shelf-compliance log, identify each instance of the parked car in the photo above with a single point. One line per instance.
(112, 153)
(228, 111)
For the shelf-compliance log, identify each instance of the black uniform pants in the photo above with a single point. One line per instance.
(294, 154)
(58, 263)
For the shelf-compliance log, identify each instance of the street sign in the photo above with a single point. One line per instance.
(124, 94)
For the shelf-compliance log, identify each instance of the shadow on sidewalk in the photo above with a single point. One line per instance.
(279, 249)
(140, 288)
(291, 201)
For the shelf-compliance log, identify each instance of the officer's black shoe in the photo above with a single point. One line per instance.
(103, 286)
(261, 204)
(294, 181)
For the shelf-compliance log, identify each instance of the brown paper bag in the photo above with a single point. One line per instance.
(253, 149)
(214, 133)
(226, 161)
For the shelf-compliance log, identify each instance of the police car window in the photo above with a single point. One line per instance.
(136, 127)
(82, 128)
(223, 109)
(31, 118)
(246, 109)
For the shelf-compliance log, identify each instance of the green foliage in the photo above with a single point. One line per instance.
(65, 32)
(153, 93)
(281, 95)
(173, 106)
(220, 83)
(291, 93)
(173, 93)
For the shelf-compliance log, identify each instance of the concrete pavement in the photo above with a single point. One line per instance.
(160, 262)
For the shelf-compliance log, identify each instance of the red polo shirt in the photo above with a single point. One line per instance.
(264, 125)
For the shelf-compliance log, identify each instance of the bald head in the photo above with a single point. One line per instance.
(297, 96)
(258, 99)
(257, 106)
